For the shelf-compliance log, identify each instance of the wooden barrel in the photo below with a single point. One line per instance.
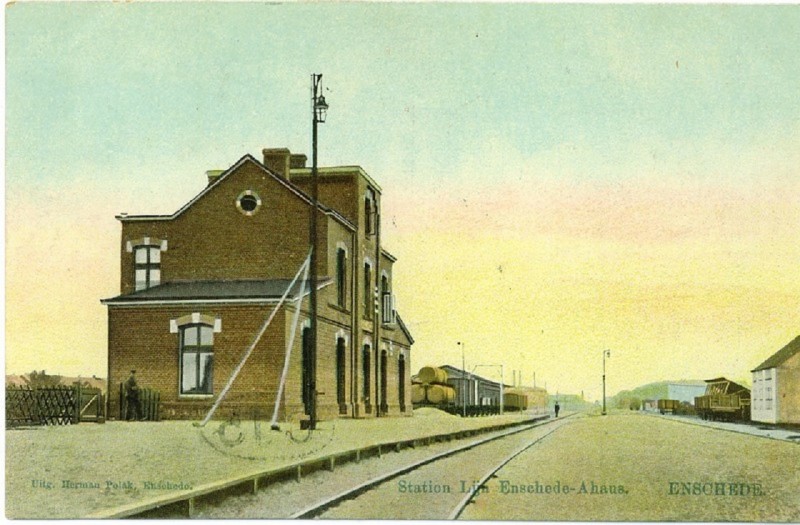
(418, 393)
(432, 375)
(441, 394)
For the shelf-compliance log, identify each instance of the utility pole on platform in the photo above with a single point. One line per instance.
(318, 113)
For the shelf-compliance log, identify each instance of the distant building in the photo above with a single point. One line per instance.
(776, 386)
(685, 391)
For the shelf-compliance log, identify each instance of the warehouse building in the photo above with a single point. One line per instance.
(776, 386)
(685, 391)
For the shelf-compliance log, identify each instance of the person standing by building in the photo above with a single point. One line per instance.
(557, 407)
(134, 411)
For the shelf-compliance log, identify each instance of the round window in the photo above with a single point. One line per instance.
(248, 202)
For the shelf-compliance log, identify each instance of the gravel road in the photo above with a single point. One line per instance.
(647, 469)
(280, 500)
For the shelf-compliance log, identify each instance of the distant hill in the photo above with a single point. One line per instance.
(93, 381)
(657, 390)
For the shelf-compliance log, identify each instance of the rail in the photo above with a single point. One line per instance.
(471, 494)
(252, 481)
(320, 507)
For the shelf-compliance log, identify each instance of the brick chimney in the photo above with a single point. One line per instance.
(298, 161)
(213, 175)
(278, 160)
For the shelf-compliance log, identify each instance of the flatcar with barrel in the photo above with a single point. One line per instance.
(457, 392)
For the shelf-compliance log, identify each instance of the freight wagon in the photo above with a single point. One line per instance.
(529, 399)
(461, 395)
(668, 405)
(724, 399)
(451, 390)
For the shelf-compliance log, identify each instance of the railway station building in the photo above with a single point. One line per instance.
(776, 386)
(196, 286)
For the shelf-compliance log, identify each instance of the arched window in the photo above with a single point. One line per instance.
(368, 306)
(388, 315)
(401, 386)
(197, 358)
(370, 212)
(384, 376)
(147, 266)
(365, 368)
(341, 277)
(306, 373)
(340, 375)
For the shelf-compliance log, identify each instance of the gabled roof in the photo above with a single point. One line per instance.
(457, 373)
(404, 328)
(223, 291)
(779, 357)
(722, 385)
(247, 158)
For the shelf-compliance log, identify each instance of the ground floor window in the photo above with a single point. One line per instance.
(401, 387)
(365, 376)
(306, 372)
(340, 375)
(384, 376)
(197, 359)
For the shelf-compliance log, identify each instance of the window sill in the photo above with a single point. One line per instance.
(195, 396)
(338, 308)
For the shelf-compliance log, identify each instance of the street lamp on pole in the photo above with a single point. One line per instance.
(464, 387)
(318, 113)
(606, 353)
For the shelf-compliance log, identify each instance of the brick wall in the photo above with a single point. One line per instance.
(213, 239)
(140, 339)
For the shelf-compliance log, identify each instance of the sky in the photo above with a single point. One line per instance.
(557, 179)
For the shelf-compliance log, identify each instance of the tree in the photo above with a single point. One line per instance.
(41, 379)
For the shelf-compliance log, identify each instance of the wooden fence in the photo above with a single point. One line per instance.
(53, 405)
(92, 405)
(149, 401)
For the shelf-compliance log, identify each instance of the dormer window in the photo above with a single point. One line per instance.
(147, 264)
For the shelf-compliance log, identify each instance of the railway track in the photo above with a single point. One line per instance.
(500, 449)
